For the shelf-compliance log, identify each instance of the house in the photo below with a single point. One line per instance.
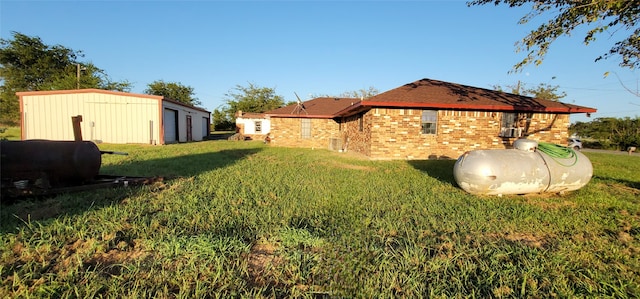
(253, 125)
(425, 119)
(311, 124)
(110, 117)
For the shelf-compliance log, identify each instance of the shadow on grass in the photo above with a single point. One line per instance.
(20, 212)
(180, 166)
(627, 184)
(441, 170)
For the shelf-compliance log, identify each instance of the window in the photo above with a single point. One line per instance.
(305, 129)
(361, 122)
(509, 127)
(429, 121)
(258, 126)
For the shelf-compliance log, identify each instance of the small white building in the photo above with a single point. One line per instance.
(110, 117)
(253, 125)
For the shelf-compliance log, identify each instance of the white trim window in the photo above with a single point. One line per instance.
(258, 126)
(305, 128)
(429, 122)
(509, 127)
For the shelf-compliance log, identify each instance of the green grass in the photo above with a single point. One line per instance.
(9, 132)
(241, 219)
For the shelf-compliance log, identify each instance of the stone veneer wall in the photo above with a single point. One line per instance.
(395, 133)
(287, 132)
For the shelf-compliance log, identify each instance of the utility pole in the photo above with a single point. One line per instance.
(78, 76)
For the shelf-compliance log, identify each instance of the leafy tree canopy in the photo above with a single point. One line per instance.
(249, 98)
(174, 91)
(252, 98)
(542, 91)
(360, 94)
(28, 64)
(221, 122)
(598, 15)
(621, 132)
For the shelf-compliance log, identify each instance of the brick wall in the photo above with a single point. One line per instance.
(396, 133)
(357, 140)
(288, 132)
(383, 133)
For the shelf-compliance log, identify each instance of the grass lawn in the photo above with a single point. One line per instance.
(9, 132)
(245, 220)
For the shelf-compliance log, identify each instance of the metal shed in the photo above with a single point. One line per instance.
(110, 117)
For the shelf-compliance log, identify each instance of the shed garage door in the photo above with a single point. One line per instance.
(170, 126)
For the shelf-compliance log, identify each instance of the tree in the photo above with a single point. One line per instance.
(361, 94)
(249, 98)
(173, 90)
(221, 122)
(542, 91)
(28, 64)
(621, 132)
(252, 99)
(546, 92)
(598, 15)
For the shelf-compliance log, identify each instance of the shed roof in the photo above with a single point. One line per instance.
(102, 91)
(325, 107)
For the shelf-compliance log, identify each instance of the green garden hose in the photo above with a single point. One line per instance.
(557, 152)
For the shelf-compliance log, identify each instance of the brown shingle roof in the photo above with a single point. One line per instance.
(316, 108)
(427, 93)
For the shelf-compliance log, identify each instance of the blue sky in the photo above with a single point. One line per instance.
(319, 48)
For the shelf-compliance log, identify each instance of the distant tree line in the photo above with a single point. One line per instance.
(609, 132)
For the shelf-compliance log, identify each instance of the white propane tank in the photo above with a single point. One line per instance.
(529, 167)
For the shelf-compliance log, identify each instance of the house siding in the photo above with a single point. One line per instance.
(247, 127)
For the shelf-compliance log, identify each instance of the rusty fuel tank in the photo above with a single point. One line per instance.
(49, 163)
(527, 168)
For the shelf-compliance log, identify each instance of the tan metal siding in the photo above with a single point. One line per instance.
(106, 118)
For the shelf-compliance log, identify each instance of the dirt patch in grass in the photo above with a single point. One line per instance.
(261, 259)
(529, 240)
(111, 262)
